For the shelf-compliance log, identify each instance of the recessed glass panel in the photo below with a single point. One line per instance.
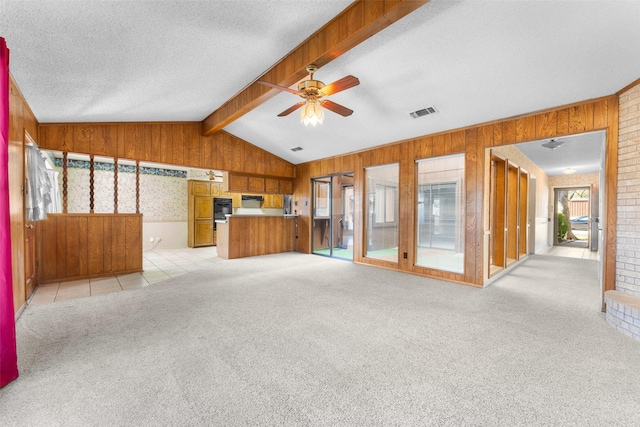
(440, 213)
(382, 212)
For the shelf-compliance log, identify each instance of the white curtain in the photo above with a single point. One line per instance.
(42, 194)
(56, 202)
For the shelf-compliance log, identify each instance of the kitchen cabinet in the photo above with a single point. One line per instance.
(200, 188)
(238, 183)
(203, 233)
(256, 184)
(236, 199)
(234, 183)
(286, 186)
(278, 186)
(274, 201)
(200, 216)
(271, 185)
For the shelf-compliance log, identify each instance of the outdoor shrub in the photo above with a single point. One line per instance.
(563, 225)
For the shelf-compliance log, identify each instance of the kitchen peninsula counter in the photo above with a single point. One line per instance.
(252, 235)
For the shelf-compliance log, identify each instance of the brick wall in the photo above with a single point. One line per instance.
(628, 215)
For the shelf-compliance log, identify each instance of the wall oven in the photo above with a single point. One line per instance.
(222, 206)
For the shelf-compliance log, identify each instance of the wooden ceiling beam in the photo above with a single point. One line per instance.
(361, 20)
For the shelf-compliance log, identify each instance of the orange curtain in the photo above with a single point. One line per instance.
(8, 357)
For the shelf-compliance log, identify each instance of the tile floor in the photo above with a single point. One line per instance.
(571, 252)
(157, 265)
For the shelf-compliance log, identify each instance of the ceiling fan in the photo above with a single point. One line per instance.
(313, 93)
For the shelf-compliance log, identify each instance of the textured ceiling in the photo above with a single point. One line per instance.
(102, 61)
(584, 153)
(475, 61)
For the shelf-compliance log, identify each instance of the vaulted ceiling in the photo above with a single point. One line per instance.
(474, 61)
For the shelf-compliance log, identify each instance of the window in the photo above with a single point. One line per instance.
(382, 212)
(386, 204)
(440, 213)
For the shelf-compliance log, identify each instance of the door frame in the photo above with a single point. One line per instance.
(555, 211)
(329, 228)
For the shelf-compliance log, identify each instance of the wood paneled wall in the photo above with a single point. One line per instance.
(73, 246)
(177, 143)
(21, 120)
(598, 114)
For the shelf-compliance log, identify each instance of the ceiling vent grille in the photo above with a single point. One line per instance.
(294, 149)
(423, 112)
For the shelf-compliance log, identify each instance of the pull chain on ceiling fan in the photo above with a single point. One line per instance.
(313, 93)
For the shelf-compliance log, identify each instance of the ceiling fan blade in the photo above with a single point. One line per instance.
(336, 108)
(340, 85)
(291, 109)
(275, 86)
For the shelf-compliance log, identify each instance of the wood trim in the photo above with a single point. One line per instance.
(359, 21)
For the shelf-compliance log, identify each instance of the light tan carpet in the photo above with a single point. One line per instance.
(299, 340)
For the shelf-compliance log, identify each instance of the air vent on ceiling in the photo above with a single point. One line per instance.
(294, 149)
(423, 112)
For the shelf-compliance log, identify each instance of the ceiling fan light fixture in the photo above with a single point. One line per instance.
(313, 93)
(311, 114)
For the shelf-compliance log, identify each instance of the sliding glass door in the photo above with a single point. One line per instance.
(332, 216)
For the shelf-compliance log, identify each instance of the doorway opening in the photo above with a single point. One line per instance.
(572, 208)
(333, 216)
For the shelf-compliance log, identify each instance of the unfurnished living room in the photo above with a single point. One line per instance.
(336, 212)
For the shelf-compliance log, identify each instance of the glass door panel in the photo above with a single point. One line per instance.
(321, 219)
(332, 220)
(342, 219)
(440, 209)
(382, 183)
